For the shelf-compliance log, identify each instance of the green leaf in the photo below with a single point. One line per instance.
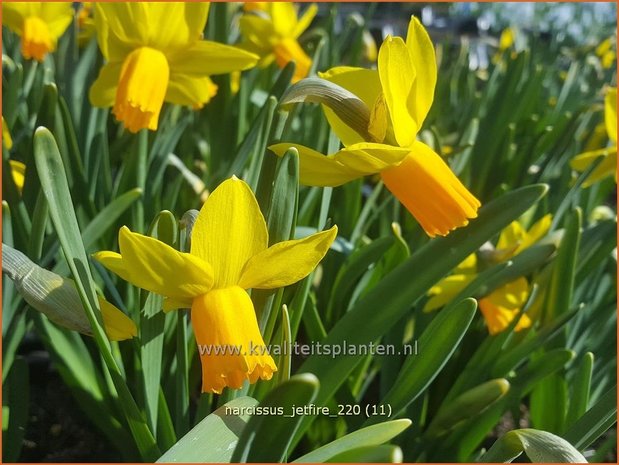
(54, 185)
(436, 345)
(365, 437)
(539, 446)
(372, 454)
(397, 291)
(267, 437)
(595, 422)
(213, 439)
(467, 405)
(15, 394)
(581, 386)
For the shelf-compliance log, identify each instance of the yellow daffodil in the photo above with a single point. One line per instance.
(507, 38)
(608, 166)
(229, 254)
(18, 172)
(605, 53)
(399, 95)
(154, 53)
(7, 140)
(39, 24)
(271, 30)
(502, 305)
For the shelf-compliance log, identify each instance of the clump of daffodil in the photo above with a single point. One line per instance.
(271, 30)
(154, 53)
(608, 166)
(502, 305)
(398, 96)
(229, 253)
(39, 24)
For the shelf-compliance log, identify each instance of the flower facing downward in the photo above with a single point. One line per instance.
(271, 30)
(39, 24)
(155, 54)
(398, 97)
(229, 254)
(608, 166)
(502, 305)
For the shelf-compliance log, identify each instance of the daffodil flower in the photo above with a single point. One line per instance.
(399, 94)
(154, 53)
(18, 172)
(229, 253)
(7, 140)
(605, 53)
(608, 166)
(39, 24)
(271, 30)
(502, 305)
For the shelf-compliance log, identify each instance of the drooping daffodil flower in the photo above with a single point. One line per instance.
(229, 253)
(39, 24)
(502, 305)
(271, 30)
(605, 53)
(398, 97)
(608, 166)
(154, 53)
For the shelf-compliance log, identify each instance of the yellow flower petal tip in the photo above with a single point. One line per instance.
(139, 97)
(431, 192)
(118, 326)
(231, 348)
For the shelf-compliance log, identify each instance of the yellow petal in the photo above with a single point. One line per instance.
(103, 91)
(58, 16)
(229, 230)
(535, 232)
(608, 166)
(190, 90)
(14, 13)
(230, 345)
(7, 141)
(141, 89)
(316, 169)
(424, 61)
(18, 171)
(446, 289)
(118, 326)
(288, 50)
(305, 20)
(430, 191)
(174, 304)
(502, 305)
(119, 29)
(286, 262)
(397, 76)
(157, 267)
(284, 17)
(510, 238)
(205, 58)
(364, 83)
(258, 34)
(610, 113)
(468, 265)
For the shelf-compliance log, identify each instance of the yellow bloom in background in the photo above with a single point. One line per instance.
(39, 24)
(399, 95)
(18, 172)
(229, 253)
(7, 140)
(85, 23)
(608, 166)
(271, 30)
(154, 53)
(507, 38)
(502, 305)
(605, 53)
